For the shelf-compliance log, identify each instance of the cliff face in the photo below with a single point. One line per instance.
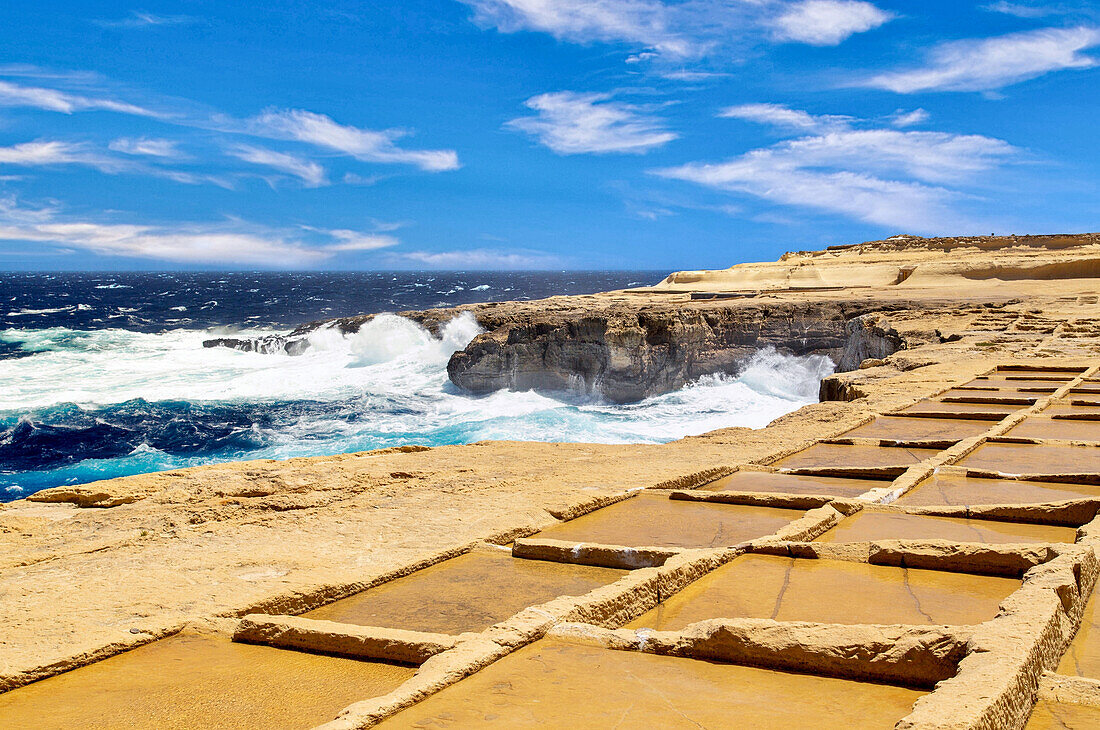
(852, 303)
(624, 348)
(625, 356)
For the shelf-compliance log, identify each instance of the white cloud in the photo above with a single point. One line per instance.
(902, 118)
(355, 241)
(644, 22)
(681, 30)
(785, 117)
(882, 176)
(146, 146)
(233, 242)
(480, 258)
(310, 173)
(283, 124)
(60, 101)
(828, 22)
(571, 123)
(1025, 10)
(991, 63)
(42, 153)
(362, 144)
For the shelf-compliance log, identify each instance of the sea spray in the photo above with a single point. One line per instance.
(85, 405)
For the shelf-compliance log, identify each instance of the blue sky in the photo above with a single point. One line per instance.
(472, 134)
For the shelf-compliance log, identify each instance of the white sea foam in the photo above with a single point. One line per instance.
(393, 374)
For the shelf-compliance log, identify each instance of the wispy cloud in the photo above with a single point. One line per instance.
(644, 22)
(1041, 9)
(571, 123)
(357, 241)
(992, 63)
(229, 243)
(141, 19)
(53, 152)
(47, 153)
(682, 30)
(784, 117)
(310, 173)
(479, 258)
(376, 146)
(828, 22)
(362, 144)
(147, 147)
(882, 176)
(902, 118)
(19, 95)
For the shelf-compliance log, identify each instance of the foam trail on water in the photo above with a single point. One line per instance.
(86, 405)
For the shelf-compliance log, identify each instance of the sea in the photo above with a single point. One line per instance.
(104, 374)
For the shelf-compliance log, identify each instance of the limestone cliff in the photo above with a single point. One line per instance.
(842, 302)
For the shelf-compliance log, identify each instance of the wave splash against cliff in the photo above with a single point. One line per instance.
(85, 405)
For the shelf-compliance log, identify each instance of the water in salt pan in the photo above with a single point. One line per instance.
(557, 684)
(830, 591)
(467, 593)
(195, 680)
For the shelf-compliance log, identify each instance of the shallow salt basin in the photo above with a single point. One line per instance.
(1050, 715)
(1043, 459)
(1037, 373)
(557, 684)
(1082, 658)
(830, 591)
(983, 411)
(1020, 386)
(959, 490)
(1069, 411)
(1057, 428)
(842, 457)
(870, 525)
(654, 520)
(762, 481)
(1008, 396)
(467, 593)
(901, 428)
(196, 680)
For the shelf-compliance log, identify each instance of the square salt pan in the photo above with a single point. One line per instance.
(654, 520)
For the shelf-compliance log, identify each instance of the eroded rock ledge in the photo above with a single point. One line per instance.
(853, 304)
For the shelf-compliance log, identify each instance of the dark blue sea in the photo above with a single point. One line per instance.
(104, 375)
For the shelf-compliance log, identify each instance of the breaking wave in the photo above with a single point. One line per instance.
(85, 405)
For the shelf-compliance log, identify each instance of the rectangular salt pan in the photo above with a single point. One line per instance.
(1082, 658)
(958, 490)
(654, 520)
(560, 685)
(1057, 428)
(195, 680)
(1041, 459)
(830, 591)
(838, 458)
(900, 428)
(982, 411)
(870, 525)
(467, 593)
(760, 481)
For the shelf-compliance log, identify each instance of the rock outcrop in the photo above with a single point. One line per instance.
(856, 304)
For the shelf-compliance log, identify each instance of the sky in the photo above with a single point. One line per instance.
(535, 134)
